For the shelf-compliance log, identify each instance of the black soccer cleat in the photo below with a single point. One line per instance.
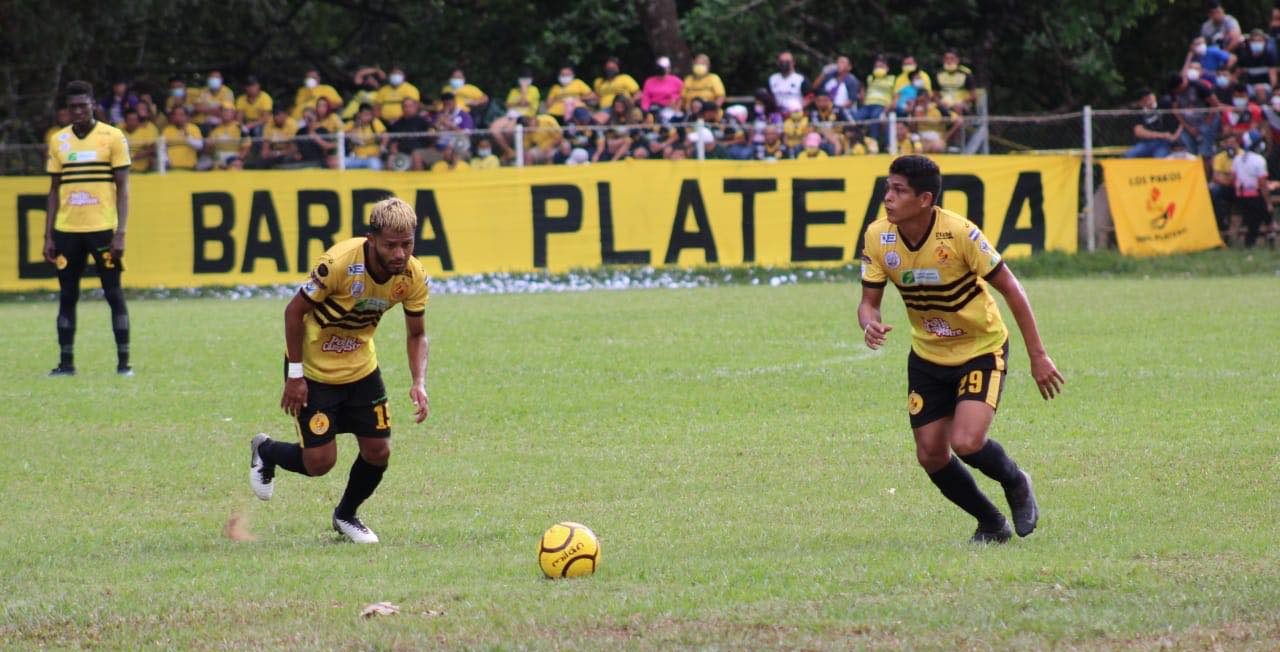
(61, 370)
(1022, 502)
(992, 533)
(125, 371)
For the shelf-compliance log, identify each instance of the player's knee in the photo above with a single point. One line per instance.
(318, 462)
(377, 453)
(932, 458)
(967, 442)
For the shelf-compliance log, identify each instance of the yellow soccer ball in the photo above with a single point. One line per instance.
(568, 550)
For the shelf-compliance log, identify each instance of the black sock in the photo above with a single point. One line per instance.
(66, 340)
(992, 460)
(119, 325)
(285, 456)
(955, 482)
(364, 479)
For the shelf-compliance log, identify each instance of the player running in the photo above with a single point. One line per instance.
(332, 383)
(942, 265)
(88, 209)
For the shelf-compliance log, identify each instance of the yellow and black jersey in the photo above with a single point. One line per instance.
(942, 280)
(347, 303)
(956, 86)
(86, 184)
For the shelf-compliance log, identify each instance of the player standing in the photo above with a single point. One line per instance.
(332, 382)
(88, 208)
(942, 264)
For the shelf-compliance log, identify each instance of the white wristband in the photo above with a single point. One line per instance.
(295, 370)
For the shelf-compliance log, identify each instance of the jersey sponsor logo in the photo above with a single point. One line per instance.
(338, 344)
(974, 234)
(357, 288)
(915, 403)
(892, 260)
(926, 276)
(941, 328)
(355, 269)
(372, 304)
(319, 423)
(942, 235)
(82, 198)
(942, 255)
(82, 155)
(888, 238)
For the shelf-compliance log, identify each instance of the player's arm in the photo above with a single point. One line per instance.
(873, 332)
(51, 211)
(121, 177)
(295, 389)
(419, 347)
(1045, 373)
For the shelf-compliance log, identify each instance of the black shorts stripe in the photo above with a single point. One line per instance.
(923, 289)
(942, 307)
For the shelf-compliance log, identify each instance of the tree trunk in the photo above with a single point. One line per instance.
(662, 25)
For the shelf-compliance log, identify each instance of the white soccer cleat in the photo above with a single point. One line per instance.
(354, 530)
(261, 475)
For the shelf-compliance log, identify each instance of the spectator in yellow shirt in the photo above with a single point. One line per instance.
(366, 140)
(182, 141)
(449, 161)
(614, 83)
(794, 127)
(388, 103)
(484, 158)
(211, 100)
(178, 96)
(812, 147)
(141, 137)
(525, 97)
(310, 91)
(228, 139)
(567, 93)
(278, 147)
(469, 97)
(701, 85)
(254, 106)
(905, 79)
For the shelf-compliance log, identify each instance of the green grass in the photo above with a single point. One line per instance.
(745, 461)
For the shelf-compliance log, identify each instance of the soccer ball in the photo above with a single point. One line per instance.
(568, 549)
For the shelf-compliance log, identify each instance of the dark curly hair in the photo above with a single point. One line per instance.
(922, 174)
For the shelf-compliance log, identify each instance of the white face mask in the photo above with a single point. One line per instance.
(1201, 48)
(484, 152)
(565, 80)
(456, 82)
(525, 81)
(215, 83)
(396, 79)
(1240, 102)
(1256, 47)
(918, 83)
(1223, 81)
(311, 82)
(178, 91)
(1193, 74)
(1275, 102)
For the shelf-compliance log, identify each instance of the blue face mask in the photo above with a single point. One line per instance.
(1223, 81)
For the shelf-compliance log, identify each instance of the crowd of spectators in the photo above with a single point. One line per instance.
(388, 123)
(1223, 107)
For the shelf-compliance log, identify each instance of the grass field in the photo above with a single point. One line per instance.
(744, 459)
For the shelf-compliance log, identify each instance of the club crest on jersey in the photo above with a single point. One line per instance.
(941, 328)
(888, 238)
(337, 344)
(892, 260)
(942, 255)
(357, 288)
(399, 289)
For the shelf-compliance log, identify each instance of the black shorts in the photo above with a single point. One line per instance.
(73, 251)
(934, 389)
(359, 408)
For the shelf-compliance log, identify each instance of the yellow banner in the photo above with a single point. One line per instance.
(1160, 207)
(230, 228)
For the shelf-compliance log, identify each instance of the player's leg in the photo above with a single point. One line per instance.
(109, 270)
(930, 403)
(367, 417)
(316, 452)
(70, 264)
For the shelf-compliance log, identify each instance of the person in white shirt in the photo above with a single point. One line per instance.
(788, 86)
(1252, 195)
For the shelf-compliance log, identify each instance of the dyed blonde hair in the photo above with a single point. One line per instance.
(393, 215)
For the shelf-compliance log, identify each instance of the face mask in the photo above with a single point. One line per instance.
(396, 79)
(1275, 102)
(880, 72)
(456, 82)
(483, 152)
(1240, 102)
(178, 92)
(525, 81)
(1231, 151)
(1256, 47)
(1223, 81)
(918, 83)
(565, 80)
(215, 83)
(699, 69)
(610, 73)
(1193, 74)
(311, 82)
(1201, 49)
(950, 67)
(908, 68)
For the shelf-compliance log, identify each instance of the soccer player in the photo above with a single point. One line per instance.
(332, 383)
(88, 208)
(942, 266)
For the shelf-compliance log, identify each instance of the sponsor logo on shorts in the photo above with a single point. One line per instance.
(319, 423)
(357, 288)
(338, 344)
(891, 260)
(82, 198)
(941, 328)
(915, 403)
(355, 268)
(888, 238)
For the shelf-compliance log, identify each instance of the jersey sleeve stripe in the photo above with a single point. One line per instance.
(875, 285)
(414, 313)
(994, 270)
